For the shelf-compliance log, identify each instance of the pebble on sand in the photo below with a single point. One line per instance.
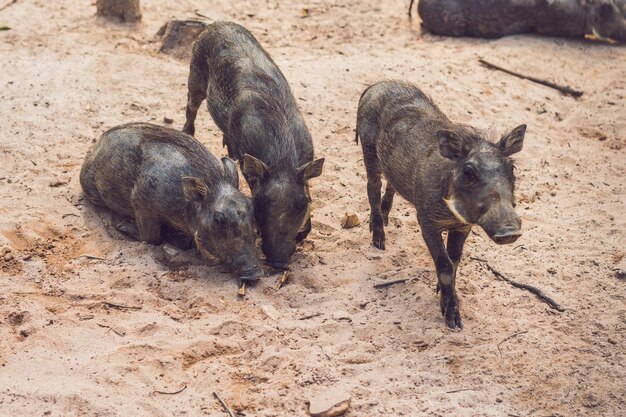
(170, 250)
(350, 220)
(341, 315)
(270, 312)
(333, 402)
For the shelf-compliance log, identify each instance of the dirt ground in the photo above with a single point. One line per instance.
(101, 335)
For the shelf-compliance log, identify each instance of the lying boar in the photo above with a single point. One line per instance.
(496, 18)
(162, 177)
(452, 176)
(251, 102)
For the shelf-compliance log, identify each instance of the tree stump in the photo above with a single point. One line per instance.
(178, 36)
(122, 10)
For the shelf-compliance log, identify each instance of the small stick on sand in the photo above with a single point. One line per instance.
(8, 4)
(389, 283)
(89, 256)
(411, 7)
(120, 306)
(226, 407)
(197, 12)
(112, 329)
(563, 89)
(325, 354)
(310, 316)
(460, 390)
(170, 393)
(283, 279)
(509, 337)
(526, 287)
(242, 289)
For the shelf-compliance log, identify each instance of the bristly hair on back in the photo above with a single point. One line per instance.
(199, 157)
(280, 123)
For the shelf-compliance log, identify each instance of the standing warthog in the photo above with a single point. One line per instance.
(452, 176)
(251, 102)
(496, 18)
(161, 177)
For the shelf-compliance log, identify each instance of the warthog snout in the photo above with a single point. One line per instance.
(506, 236)
(252, 273)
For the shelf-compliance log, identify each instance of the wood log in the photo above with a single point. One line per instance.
(121, 10)
(178, 36)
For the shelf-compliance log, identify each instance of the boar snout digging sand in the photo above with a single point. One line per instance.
(252, 103)
(160, 176)
(448, 171)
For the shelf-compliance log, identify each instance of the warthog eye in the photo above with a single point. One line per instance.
(469, 173)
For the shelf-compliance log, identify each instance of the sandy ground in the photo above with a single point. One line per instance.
(67, 350)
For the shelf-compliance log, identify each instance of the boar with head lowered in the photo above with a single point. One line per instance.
(252, 103)
(448, 171)
(161, 177)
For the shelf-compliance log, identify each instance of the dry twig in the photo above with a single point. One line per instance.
(411, 7)
(120, 306)
(389, 283)
(8, 4)
(310, 316)
(325, 354)
(282, 280)
(112, 329)
(197, 12)
(509, 337)
(563, 89)
(226, 407)
(460, 390)
(170, 393)
(90, 256)
(526, 287)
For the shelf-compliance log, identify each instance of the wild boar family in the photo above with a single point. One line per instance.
(161, 179)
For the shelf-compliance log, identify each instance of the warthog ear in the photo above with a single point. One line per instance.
(230, 169)
(194, 189)
(254, 167)
(311, 169)
(513, 142)
(451, 145)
